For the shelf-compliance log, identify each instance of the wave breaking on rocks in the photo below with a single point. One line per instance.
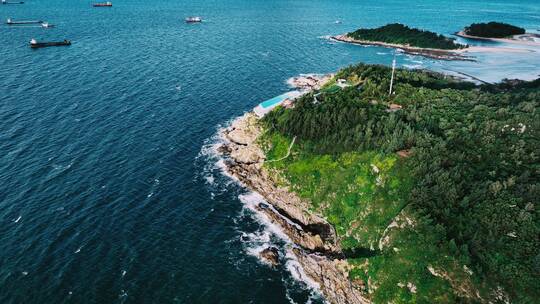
(316, 246)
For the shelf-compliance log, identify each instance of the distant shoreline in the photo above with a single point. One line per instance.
(516, 39)
(440, 54)
(426, 52)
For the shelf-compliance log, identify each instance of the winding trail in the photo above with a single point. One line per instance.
(288, 152)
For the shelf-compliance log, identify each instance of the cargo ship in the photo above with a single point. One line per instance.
(193, 19)
(12, 2)
(35, 45)
(10, 21)
(103, 4)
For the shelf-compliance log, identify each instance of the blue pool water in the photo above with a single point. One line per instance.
(110, 191)
(275, 100)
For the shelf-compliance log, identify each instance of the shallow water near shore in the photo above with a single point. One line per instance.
(110, 191)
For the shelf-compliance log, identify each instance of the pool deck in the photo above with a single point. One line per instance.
(264, 107)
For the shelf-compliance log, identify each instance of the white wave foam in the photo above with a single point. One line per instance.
(269, 234)
(289, 297)
(210, 179)
(413, 66)
(251, 200)
(62, 167)
(122, 294)
(296, 270)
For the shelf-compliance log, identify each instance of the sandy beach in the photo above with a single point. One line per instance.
(525, 39)
(461, 54)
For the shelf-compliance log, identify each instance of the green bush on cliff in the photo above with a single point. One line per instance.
(401, 34)
(471, 181)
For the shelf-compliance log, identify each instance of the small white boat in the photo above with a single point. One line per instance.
(338, 22)
(193, 19)
(46, 25)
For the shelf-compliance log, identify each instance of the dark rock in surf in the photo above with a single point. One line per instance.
(271, 255)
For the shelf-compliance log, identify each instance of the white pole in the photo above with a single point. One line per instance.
(393, 71)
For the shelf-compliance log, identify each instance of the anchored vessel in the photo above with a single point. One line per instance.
(34, 44)
(12, 22)
(103, 4)
(12, 2)
(193, 19)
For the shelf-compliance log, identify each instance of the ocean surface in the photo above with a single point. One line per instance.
(110, 189)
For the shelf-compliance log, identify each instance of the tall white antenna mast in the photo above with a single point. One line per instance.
(393, 71)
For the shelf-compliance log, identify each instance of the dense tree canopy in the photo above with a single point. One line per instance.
(401, 34)
(493, 30)
(475, 158)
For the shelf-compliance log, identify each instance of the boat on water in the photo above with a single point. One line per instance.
(194, 19)
(47, 25)
(35, 44)
(12, 2)
(103, 4)
(10, 21)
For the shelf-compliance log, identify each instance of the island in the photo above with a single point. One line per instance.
(493, 30)
(499, 32)
(425, 194)
(410, 40)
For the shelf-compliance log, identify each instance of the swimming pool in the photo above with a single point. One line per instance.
(273, 101)
(270, 104)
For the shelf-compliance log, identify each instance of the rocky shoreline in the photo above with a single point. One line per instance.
(439, 54)
(316, 243)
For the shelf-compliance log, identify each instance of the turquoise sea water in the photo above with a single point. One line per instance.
(109, 188)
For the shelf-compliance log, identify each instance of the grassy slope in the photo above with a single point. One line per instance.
(361, 203)
(467, 151)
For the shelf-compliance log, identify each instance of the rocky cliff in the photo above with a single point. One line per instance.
(318, 249)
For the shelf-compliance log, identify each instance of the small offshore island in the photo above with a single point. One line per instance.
(432, 45)
(425, 195)
(501, 32)
(410, 40)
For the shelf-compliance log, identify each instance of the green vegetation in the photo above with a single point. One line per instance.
(457, 217)
(401, 34)
(493, 30)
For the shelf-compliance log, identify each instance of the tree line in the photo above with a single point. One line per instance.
(475, 158)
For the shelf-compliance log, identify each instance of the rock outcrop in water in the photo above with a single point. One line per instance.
(271, 255)
(318, 249)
